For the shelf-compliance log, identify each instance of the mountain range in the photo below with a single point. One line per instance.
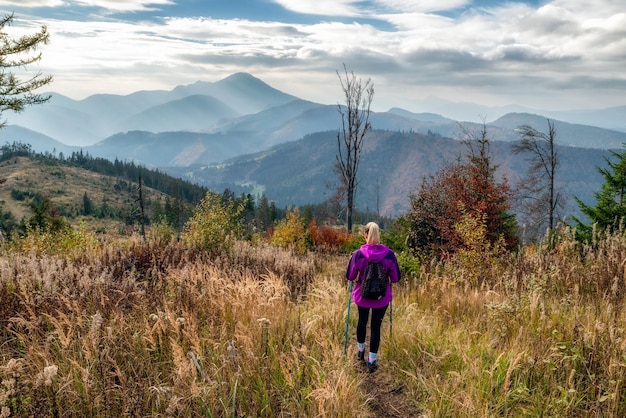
(243, 134)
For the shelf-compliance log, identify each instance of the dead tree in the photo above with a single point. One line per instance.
(541, 200)
(355, 124)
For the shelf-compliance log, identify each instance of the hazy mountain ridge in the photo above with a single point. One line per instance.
(205, 131)
(88, 121)
(608, 118)
(169, 148)
(244, 105)
(196, 112)
(573, 134)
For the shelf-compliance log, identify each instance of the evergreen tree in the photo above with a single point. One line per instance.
(7, 224)
(263, 216)
(610, 208)
(87, 205)
(45, 215)
(16, 93)
(248, 212)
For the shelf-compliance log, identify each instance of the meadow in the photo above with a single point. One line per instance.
(129, 327)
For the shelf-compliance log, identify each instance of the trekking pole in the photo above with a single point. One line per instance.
(390, 316)
(345, 344)
(390, 319)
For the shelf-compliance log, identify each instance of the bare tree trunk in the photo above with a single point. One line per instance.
(539, 188)
(553, 202)
(141, 209)
(355, 124)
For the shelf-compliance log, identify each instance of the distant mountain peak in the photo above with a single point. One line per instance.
(249, 83)
(241, 76)
(235, 79)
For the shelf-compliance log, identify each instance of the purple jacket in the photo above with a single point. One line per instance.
(356, 267)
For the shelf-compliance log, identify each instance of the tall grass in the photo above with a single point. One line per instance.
(133, 328)
(542, 336)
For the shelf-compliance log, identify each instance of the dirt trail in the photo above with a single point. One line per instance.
(386, 398)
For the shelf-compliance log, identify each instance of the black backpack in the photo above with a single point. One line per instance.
(374, 283)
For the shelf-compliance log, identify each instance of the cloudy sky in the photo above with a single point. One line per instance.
(555, 54)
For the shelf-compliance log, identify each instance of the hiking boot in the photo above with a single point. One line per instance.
(360, 355)
(372, 366)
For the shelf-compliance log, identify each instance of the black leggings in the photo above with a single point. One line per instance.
(377, 321)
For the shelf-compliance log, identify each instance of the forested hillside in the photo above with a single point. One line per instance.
(79, 187)
(392, 167)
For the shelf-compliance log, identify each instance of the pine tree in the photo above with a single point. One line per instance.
(610, 208)
(263, 215)
(17, 93)
(87, 205)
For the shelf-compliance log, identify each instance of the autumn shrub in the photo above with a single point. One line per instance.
(477, 258)
(352, 244)
(291, 233)
(468, 185)
(326, 238)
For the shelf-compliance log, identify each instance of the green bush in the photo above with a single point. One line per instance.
(214, 225)
(409, 265)
(70, 241)
(162, 233)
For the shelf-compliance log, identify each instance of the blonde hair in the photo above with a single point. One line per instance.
(372, 232)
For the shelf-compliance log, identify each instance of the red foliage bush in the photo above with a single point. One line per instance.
(328, 238)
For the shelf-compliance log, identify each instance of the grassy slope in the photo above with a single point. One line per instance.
(65, 186)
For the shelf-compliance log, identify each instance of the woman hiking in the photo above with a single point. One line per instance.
(369, 253)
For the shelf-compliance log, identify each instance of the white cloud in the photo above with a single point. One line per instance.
(421, 6)
(323, 7)
(112, 5)
(372, 8)
(586, 9)
(32, 3)
(505, 54)
(123, 5)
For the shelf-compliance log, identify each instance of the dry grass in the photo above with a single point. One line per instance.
(543, 336)
(135, 329)
(128, 328)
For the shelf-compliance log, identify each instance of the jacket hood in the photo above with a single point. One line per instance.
(374, 253)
